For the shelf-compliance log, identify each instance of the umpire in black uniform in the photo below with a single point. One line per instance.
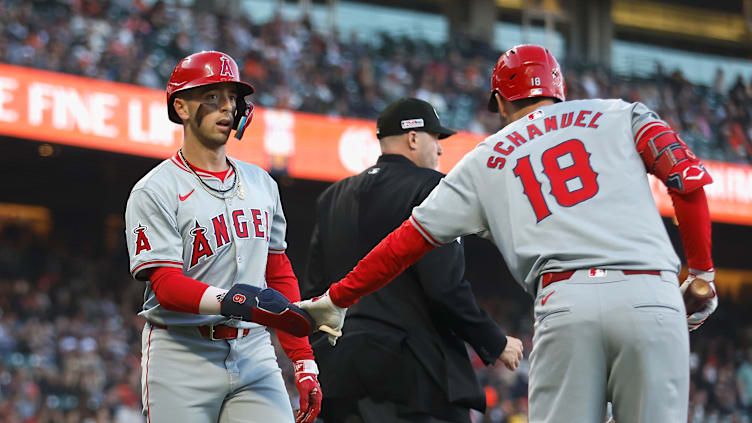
(402, 357)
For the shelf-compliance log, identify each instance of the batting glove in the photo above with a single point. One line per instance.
(329, 317)
(309, 389)
(696, 320)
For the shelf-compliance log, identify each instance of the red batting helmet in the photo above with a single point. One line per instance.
(205, 68)
(526, 71)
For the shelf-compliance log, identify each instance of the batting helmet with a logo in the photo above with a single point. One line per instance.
(205, 68)
(526, 71)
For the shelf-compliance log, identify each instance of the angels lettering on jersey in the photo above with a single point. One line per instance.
(206, 238)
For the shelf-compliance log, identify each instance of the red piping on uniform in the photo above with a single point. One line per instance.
(424, 231)
(135, 270)
(148, 356)
(177, 162)
(179, 165)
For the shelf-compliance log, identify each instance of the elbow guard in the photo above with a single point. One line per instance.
(667, 157)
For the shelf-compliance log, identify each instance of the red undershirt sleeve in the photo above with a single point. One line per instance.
(694, 227)
(395, 253)
(279, 275)
(175, 291)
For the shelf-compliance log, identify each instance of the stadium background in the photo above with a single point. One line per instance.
(72, 147)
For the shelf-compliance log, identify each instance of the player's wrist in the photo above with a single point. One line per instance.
(306, 366)
(697, 270)
(337, 297)
(211, 300)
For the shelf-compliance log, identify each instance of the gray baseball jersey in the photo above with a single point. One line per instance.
(560, 189)
(556, 190)
(172, 221)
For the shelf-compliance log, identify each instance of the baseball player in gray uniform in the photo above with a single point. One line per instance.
(207, 234)
(562, 192)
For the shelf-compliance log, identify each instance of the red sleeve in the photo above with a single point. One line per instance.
(175, 291)
(395, 253)
(279, 275)
(694, 227)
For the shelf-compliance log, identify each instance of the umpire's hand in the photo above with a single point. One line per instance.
(512, 353)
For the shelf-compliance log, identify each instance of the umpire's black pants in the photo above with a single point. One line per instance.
(366, 410)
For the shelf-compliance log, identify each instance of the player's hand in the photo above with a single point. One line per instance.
(512, 354)
(308, 386)
(695, 320)
(329, 317)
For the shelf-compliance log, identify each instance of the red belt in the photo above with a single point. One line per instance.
(214, 332)
(551, 277)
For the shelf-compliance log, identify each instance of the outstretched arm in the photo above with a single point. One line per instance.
(395, 253)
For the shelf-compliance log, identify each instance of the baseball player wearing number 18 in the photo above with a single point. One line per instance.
(562, 192)
(207, 234)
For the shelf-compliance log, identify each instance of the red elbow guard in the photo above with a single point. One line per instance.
(667, 157)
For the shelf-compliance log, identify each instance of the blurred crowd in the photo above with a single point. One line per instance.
(295, 67)
(70, 342)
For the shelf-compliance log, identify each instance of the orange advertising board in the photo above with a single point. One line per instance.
(91, 113)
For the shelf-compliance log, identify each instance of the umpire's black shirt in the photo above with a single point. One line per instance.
(403, 343)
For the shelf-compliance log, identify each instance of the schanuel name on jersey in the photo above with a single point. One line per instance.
(581, 118)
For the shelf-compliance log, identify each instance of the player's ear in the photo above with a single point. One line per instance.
(181, 108)
(502, 107)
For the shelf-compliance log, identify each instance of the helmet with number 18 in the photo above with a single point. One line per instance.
(526, 71)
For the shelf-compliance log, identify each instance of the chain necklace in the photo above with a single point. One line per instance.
(235, 189)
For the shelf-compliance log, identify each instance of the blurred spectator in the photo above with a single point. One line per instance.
(295, 67)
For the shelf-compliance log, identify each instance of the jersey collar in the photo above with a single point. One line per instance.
(175, 159)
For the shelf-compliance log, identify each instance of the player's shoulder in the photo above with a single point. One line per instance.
(156, 177)
(159, 184)
(594, 103)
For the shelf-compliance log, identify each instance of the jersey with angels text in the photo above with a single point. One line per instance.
(562, 188)
(173, 221)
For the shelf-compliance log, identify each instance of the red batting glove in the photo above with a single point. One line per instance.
(310, 390)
